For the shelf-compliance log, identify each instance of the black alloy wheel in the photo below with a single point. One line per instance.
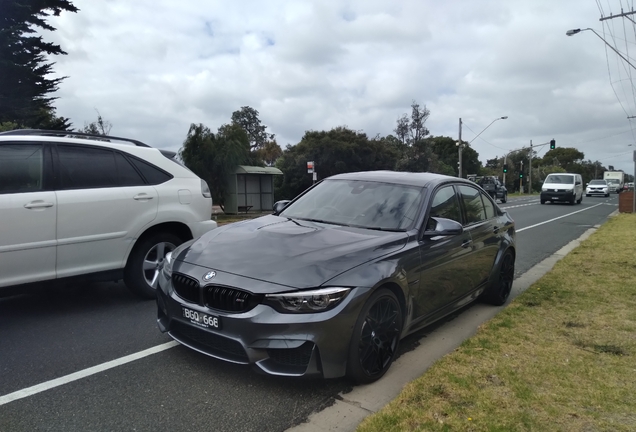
(375, 338)
(499, 291)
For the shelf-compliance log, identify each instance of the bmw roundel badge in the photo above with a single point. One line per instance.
(209, 275)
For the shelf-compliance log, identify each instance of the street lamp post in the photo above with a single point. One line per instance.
(575, 31)
(460, 145)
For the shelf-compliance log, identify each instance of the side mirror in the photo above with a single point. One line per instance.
(279, 206)
(444, 227)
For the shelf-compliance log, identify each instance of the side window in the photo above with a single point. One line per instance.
(471, 198)
(21, 168)
(152, 174)
(444, 205)
(488, 206)
(128, 175)
(86, 167)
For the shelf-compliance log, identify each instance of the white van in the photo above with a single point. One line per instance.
(562, 187)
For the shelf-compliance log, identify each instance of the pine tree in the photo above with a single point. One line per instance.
(25, 90)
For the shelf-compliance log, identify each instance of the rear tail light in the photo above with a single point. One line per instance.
(205, 190)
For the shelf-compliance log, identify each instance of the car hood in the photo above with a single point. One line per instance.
(558, 186)
(290, 252)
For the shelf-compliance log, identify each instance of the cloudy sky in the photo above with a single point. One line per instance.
(153, 67)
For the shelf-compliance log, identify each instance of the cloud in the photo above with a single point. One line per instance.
(153, 67)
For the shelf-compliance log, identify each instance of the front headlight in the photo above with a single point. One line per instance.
(169, 259)
(318, 300)
(544, 189)
(166, 267)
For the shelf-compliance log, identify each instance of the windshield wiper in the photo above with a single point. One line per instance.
(383, 229)
(323, 221)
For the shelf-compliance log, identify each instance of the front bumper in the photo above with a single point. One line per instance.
(597, 192)
(557, 195)
(273, 342)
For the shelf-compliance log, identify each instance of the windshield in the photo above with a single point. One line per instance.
(598, 182)
(560, 178)
(358, 203)
(613, 181)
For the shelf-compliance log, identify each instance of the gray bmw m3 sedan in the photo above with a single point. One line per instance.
(331, 281)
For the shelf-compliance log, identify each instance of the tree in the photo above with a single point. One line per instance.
(214, 158)
(565, 157)
(339, 150)
(98, 127)
(247, 118)
(25, 88)
(269, 153)
(493, 163)
(514, 168)
(411, 131)
(446, 150)
(7, 126)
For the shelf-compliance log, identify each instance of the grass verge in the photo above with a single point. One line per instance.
(517, 194)
(224, 219)
(560, 357)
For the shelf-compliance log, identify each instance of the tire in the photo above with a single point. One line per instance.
(141, 278)
(606, 195)
(580, 200)
(499, 290)
(374, 344)
(504, 198)
(542, 201)
(587, 195)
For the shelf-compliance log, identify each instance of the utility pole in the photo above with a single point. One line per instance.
(530, 169)
(521, 178)
(459, 144)
(622, 14)
(505, 163)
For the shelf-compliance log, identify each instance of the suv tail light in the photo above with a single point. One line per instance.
(205, 190)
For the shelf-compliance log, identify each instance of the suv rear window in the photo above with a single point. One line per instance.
(86, 167)
(152, 174)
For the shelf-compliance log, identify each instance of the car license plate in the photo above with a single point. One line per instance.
(201, 319)
(555, 197)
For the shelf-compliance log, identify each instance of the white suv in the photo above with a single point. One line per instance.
(79, 206)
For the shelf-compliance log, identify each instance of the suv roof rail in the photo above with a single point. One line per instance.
(67, 133)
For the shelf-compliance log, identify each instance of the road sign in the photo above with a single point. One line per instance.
(310, 167)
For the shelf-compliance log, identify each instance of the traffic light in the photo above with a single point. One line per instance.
(520, 175)
(552, 144)
(505, 168)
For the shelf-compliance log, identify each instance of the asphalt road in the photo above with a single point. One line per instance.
(50, 334)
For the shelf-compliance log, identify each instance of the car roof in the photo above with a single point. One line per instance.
(421, 179)
(563, 174)
(79, 138)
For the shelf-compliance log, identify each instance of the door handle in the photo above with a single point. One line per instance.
(466, 243)
(38, 204)
(142, 196)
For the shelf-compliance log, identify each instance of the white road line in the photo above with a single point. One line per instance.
(30, 391)
(556, 218)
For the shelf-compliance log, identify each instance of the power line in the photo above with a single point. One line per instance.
(464, 125)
